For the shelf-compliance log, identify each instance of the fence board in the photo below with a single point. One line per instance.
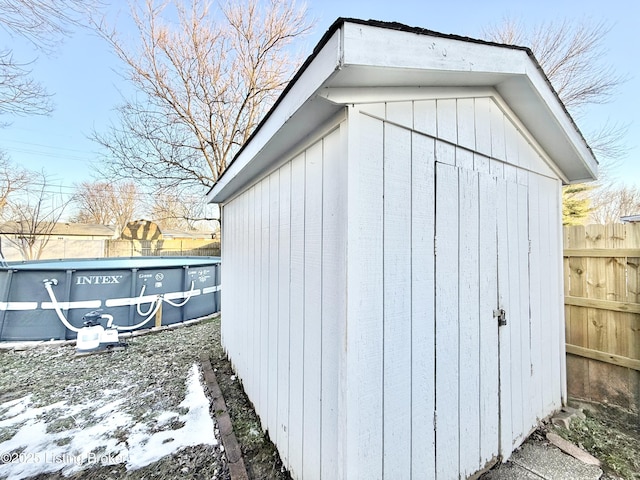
(601, 252)
(625, 307)
(576, 329)
(603, 312)
(604, 357)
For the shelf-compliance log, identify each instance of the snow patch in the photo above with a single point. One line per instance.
(32, 450)
(197, 429)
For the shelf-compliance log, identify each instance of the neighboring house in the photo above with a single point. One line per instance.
(392, 251)
(61, 230)
(145, 237)
(63, 240)
(149, 230)
(630, 219)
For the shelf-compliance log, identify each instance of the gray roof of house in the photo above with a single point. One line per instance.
(64, 229)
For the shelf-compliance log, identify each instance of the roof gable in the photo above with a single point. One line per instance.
(355, 55)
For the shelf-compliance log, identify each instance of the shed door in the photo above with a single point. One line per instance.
(481, 268)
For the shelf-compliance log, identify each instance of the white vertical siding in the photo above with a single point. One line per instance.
(422, 307)
(488, 334)
(536, 299)
(263, 275)
(284, 318)
(363, 383)
(447, 318)
(515, 368)
(249, 318)
(483, 229)
(497, 132)
(397, 302)
(446, 118)
(482, 117)
(515, 323)
(424, 117)
(466, 123)
(296, 316)
(524, 308)
(312, 359)
(504, 334)
(285, 250)
(334, 226)
(365, 273)
(550, 215)
(243, 337)
(469, 294)
(469, 314)
(274, 297)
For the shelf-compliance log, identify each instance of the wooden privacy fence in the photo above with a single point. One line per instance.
(61, 248)
(169, 247)
(602, 311)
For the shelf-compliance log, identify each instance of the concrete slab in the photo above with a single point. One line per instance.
(510, 471)
(540, 460)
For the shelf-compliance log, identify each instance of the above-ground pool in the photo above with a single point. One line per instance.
(47, 299)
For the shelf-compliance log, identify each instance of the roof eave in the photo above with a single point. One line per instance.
(352, 44)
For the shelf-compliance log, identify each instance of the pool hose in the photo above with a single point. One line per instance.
(153, 307)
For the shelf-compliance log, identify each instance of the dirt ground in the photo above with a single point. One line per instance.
(609, 433)
(260, 455)
(152, 367)
(149, 376)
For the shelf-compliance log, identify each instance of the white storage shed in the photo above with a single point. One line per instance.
(391, 250)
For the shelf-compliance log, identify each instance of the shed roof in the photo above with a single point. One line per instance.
(355, 57)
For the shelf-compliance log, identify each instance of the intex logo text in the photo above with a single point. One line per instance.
(97, 279)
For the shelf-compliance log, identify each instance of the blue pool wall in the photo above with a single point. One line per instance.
(112, 285)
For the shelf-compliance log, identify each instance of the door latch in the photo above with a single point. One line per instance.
(501, 315)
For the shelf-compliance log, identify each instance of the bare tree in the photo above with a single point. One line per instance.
(609, 203)
(169, 211)
(574, 58)
(19, 93)
(33, 217)
(106, 203)
(182, 212)
(13, 180)
(203, 82)
(92, 203)
(42, 23)
(125, 203)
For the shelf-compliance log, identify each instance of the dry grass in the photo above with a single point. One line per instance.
(611, 434)
(151, 374)
(146, 378)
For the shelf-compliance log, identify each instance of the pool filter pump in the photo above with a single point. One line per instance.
(94, 338)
